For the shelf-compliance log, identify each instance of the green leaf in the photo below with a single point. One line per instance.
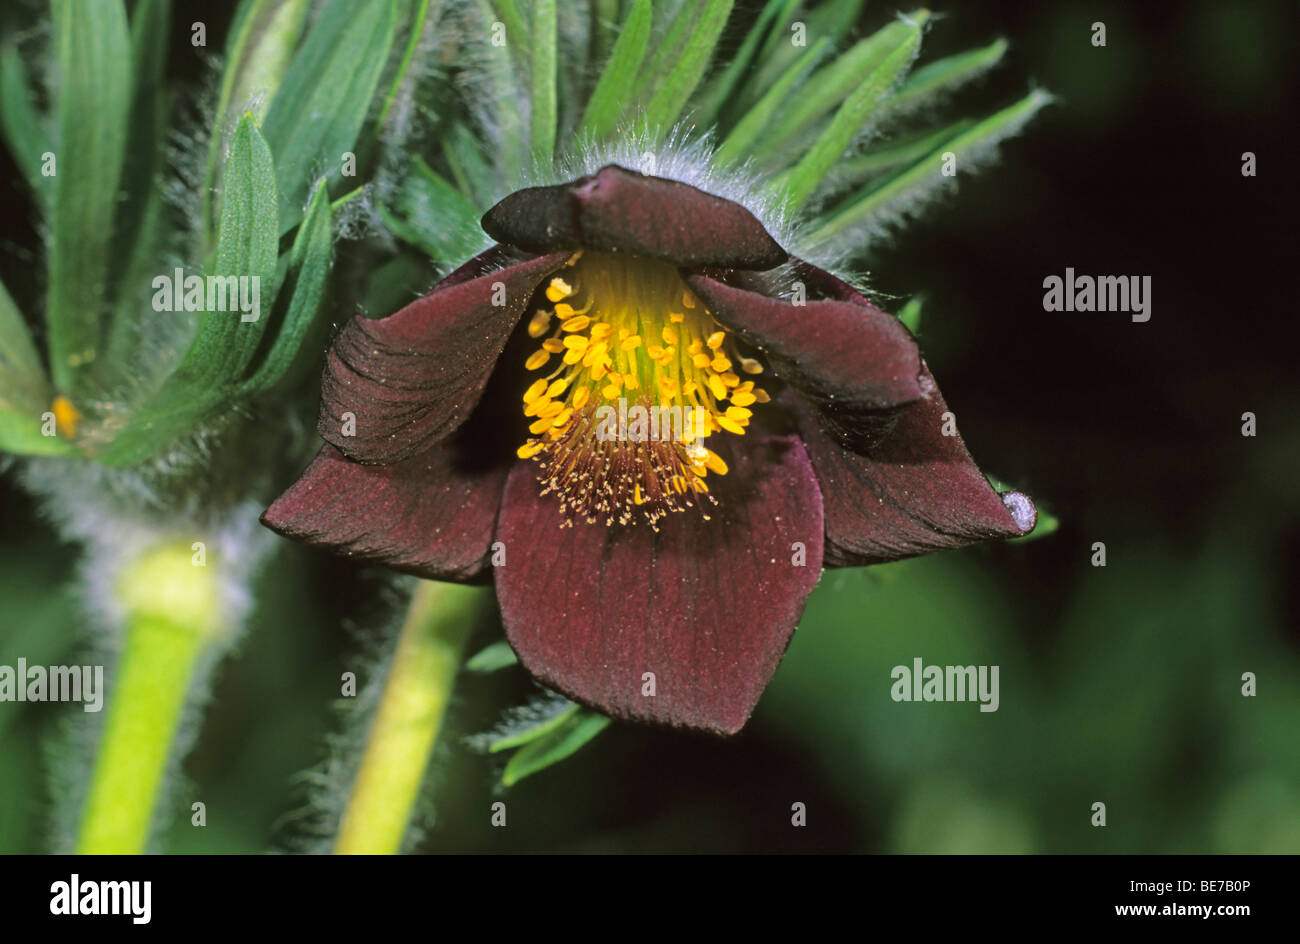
(543, 76)
(675, 90)
(317, 113)
(435, 217)
(502, 87)
(902, 42)
(905, 191)
(721, 90)
(24, 132)
(945, 75)
(834, 19)
(94, 62)
(536, 730)
(740, 142)
(830, 86)
(468, 164)
(499, 655)
(615, 85)
(864, 166)
(304, 288)
(910, 315)
(247, 245)
(24, 390)
(553, 747)
(258, 51)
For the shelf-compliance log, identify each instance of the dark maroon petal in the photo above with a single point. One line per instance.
(431, 515)
(850, 358)
(915, 491)
(410, 379)
(618, 210)
(707, 606)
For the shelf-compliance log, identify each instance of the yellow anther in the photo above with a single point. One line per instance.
(629, 381)
(536, 390)
(715, 339)
(557, 387)
(714, 462)
(721, 365)
(576, 323)
(730, 425)
(717, 388)
(750, 366)
(553, 345)
(669, 334)
(580, 397)
(601, 329)
(676, 317)
(576, 342)
(540, 426)
(730, 380)
(66, 417)
(539, 323)
(630, 343)
(536, 406)
(701, 361)
(553, 408)
(558, 289)
(743, 399)
(655, 351)
(537, 359)
(611, 392)
(529, 449)
(762, 396)
(739, 414)
(688, 299)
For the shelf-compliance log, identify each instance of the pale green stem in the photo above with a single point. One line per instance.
(410, 714)
(171, 615)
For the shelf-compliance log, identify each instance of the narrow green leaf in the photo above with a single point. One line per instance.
(499, 655)
(945, 75)
(668, 45)
(833, 19)
(21, 124)
(94, 63)
(18, 355)
(258, 51)
(689, 69)
(535, 731)
(907, 190)
(300, 296)
(910, 315)
(863, 166)
(507, 12)
(554, 747)
(321, 104)
(740, 142)
(543, 82)
(247, 245)
(24, 390)
(615, 86)
(903, 43)
(721, 90)
(470, 166)
(830, 86)
(435, 217)
(509, 147)
(414, 35)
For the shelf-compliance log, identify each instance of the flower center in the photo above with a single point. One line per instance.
(640, 376)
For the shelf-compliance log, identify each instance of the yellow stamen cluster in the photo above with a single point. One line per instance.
(619, 333)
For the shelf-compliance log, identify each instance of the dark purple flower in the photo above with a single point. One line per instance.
(488, 411)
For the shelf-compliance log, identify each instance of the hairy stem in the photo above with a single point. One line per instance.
(409, 717)
(171, 616)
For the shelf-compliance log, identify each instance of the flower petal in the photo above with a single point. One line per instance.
(430, 515)
(618, 210)
(410, 379)
(850, 358)
(707, 606)
(914, 492)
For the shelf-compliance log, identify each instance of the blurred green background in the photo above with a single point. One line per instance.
(1119, 684)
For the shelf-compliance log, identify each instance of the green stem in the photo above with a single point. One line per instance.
(171, 607)
(410, 714)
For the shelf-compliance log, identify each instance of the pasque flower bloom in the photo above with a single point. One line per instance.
(467, 426)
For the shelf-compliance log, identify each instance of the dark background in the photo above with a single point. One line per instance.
(1119, 684)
